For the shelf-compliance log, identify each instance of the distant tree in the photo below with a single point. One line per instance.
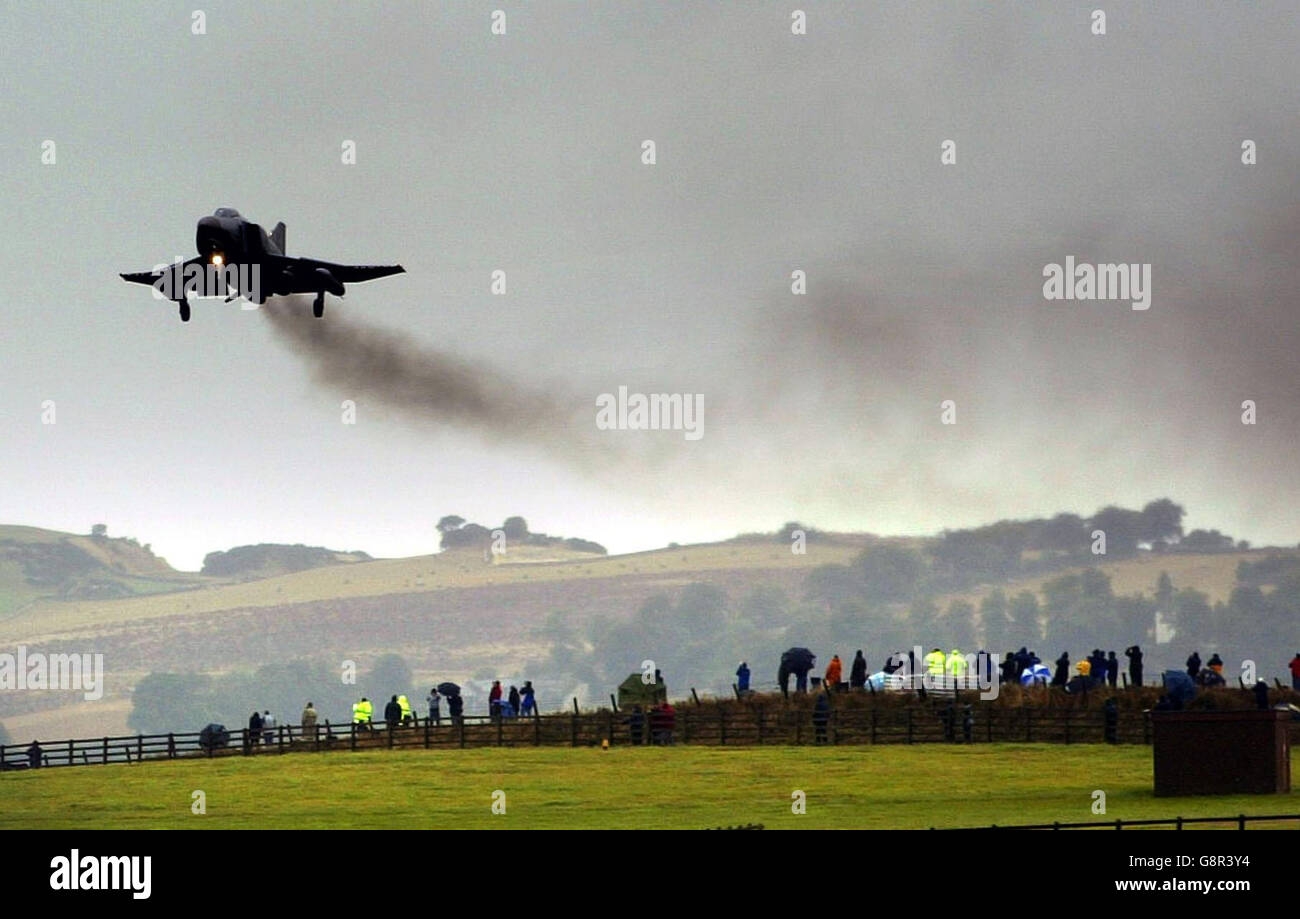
(449, 523)
(99, 530)
(701, 610)
(832, 584)
(1025, 617)
(1063, 533)
(993, 618)
(1164, 592)
(1123, 528)
(389, 674)
(1206, 541)
(890, 574)
(959, 626)
(1162, 520)
(515, 528)
(766, 606)
(168, 702)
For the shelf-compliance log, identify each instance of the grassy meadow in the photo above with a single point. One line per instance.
(883, 787)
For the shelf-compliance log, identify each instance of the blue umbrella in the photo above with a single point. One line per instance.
(1036, 674)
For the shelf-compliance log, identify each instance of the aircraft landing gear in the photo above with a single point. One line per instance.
(318, 305)
(185, 310)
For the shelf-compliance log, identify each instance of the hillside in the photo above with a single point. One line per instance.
(38, 564)
(455, 615)
(266, 560)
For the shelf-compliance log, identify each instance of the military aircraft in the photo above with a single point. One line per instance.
(238, 255)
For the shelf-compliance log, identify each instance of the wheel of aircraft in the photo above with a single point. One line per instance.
(318, 305)
(185, 311)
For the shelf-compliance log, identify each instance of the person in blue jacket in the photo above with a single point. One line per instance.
(742, 678)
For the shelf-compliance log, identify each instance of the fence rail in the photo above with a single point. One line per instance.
(1176, 822)
(751, 725)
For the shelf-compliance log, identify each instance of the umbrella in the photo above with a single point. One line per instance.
(448, 689)
(214, 736)
(798, 657)
(1036, 673)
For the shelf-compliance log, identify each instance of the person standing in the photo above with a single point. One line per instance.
(742, 678)
(1062, 674)
(515, 700)
(528, 699)
(405, 705)
(1112, 670)
(362, 713)
(1194, 666)
(254, 728)
(858, 672)
(1134, 655)
(455, 708)
(308, 722)
(834, 672)
(1294, 667)
(435, 702)
(494, 699)
(268, 727)
(392, 713)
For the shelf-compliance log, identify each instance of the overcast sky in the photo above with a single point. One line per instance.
(775, 152)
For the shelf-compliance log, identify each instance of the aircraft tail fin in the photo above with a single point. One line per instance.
(277, 236)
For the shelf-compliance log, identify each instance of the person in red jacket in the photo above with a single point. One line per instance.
(1295, 672)
(494, 699)
(834, 672)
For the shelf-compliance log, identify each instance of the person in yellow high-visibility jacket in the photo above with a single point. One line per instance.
(956, 664)
(934, 663)
(362, 712)
(405, 704)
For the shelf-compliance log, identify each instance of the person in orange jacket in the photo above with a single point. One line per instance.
(833, 672)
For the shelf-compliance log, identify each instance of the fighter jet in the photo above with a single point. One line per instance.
(237, 258)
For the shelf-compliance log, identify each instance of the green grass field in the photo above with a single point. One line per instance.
(846, 787)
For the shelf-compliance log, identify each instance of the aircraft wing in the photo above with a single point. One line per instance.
(151, 277)
(348, 274)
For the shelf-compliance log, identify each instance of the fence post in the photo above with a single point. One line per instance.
(990, 711)
(1146, 728)
(760, 725)
(537, 727)
(686, 726)
(462, 732)
(1178, 823)
(694, 696)
(139, 747)
(574, 716)
(909, 725)
(722, 726)
(500, 725)
(105, 751)
(1241, 821)
(389, 725)
(70, 753)
(316, 737)
(353, 735)
(426, 732)
(281, 737)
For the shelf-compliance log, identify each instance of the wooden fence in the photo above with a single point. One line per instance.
(750, 725)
